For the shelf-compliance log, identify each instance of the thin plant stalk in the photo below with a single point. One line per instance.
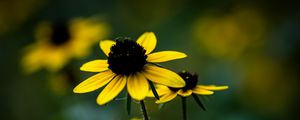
(144, 110)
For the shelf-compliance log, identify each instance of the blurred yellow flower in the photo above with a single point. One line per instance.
(230, 35)
(130, 63)
(57, 43)
(191, 88)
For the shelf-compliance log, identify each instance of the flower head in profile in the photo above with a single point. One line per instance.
(58, 42)
(129, 63)
(191, 88)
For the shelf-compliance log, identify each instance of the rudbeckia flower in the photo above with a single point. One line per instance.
(190, 89)
(129, 63)
(58, 42)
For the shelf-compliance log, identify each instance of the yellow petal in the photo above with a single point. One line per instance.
(55, 59)
(201, 91)
(148, 41)
(95, 66)
(105, 46)
(137, 86)
(213, 87)
(164, 56)
(163, 76)
(160, 89)
(33, 58)
(167, 97)
(184, 93)
(94, 82)
(112, 90)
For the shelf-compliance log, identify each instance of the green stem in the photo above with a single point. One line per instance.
(144, 110)
(128, 105)
(198, 101)
(153, 90)
(183, 101)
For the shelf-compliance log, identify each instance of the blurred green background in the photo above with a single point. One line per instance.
(251, 46)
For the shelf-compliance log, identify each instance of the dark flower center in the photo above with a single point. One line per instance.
(126, 57)
(190, 81)
(60, 34)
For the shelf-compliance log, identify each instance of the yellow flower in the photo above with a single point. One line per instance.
(130, 63)
(232, 34)
(191, 87)
(57, 43)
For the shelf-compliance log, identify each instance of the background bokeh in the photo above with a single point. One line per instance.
(251, 46)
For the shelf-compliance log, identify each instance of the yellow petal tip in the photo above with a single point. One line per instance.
(184, 55)
(78, 90)
(223, 87)
(148, 32)
(158, 102)
(100, 102)
(148, 41)
(138, 99)
(206, 93)
(81, 68)
(75, 90)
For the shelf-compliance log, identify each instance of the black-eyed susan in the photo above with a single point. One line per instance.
(190, 89)
(130, 63)
(58, 42)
